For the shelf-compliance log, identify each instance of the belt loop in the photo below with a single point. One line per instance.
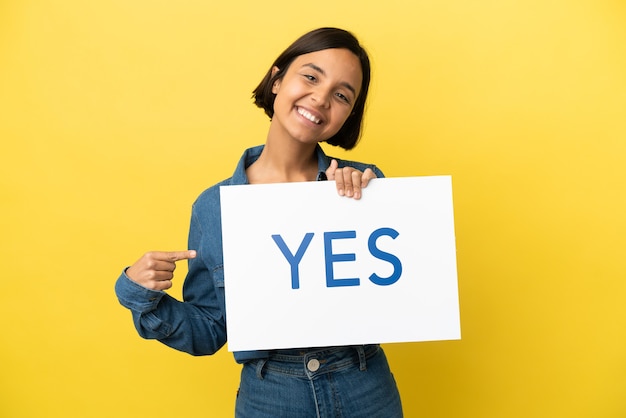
(259, 368)
(362, 362)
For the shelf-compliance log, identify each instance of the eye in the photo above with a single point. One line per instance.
(310, 77)
(342, 97)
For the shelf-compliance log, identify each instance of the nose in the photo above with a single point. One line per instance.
(321, 97)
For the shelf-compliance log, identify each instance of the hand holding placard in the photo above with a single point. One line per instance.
(349, 180)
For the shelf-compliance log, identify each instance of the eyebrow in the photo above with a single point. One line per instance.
(322, 72)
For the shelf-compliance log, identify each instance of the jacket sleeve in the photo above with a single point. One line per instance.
(196, 326)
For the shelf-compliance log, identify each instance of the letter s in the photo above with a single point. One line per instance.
(392, 259)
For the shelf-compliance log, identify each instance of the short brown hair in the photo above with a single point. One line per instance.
(317, 40)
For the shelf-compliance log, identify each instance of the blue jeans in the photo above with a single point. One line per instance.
(346, 382)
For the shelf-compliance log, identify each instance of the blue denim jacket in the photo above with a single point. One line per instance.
(198, 325)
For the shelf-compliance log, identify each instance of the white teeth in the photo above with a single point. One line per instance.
(309, 116)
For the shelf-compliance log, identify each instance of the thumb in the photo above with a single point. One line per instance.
(330, 171)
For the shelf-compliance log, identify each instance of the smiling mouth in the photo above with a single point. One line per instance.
(309, 116)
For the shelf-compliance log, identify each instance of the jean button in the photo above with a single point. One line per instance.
(313, 365)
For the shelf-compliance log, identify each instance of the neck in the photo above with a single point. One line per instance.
(284, 162)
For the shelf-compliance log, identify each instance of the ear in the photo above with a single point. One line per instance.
(276, 85)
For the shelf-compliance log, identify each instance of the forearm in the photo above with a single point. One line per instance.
(192, 328)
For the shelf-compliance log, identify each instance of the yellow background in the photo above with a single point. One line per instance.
(115, 115)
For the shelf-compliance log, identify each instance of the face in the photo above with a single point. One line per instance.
(316, 95)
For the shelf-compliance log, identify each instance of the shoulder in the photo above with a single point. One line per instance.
(209, 199)
(325, 159)
(359, 166)
(211, 196)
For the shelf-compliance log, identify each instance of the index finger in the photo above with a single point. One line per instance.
(178, 255)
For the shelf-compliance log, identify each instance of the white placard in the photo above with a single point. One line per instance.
(305, 267)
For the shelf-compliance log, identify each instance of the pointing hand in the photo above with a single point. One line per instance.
(155, 269)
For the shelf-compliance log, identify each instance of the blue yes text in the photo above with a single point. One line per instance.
(330, 257)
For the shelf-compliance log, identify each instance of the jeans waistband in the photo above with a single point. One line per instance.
(298, 355)
(316, 360)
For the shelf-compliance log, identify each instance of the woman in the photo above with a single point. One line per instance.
(314, 92)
